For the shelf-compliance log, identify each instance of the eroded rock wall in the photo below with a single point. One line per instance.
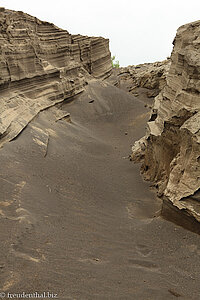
(170, 151)
(150, 76)
(41, 65)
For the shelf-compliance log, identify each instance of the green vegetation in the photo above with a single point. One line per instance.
(115, 63)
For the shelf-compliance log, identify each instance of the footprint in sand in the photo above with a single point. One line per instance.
(143, 250)
(143, 264)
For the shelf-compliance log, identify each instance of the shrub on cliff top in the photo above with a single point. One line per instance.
(115, 63)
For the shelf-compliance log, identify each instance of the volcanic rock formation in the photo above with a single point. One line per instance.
(76, 219)
(42, 65)
(148, 76)
(170, 151)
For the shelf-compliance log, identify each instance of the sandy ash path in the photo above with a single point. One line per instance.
(76, 217)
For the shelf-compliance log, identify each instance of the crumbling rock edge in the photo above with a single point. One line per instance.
(170, 151)
(149, 76)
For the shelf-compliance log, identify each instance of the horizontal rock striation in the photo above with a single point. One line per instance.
(94, 54)
(170, 151)
(41, 65)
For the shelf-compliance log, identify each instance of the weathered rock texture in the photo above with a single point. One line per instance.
(151, 76)
(170, 151)
(41, 65)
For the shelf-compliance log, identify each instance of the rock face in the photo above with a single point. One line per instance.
(42, 65)
(151, 76)
(170, 151)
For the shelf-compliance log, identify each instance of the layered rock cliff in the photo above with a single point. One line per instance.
(170, 151)
(42, 65)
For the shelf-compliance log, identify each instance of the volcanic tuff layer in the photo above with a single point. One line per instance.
(170, 151)
(41, 65)
(75, 216)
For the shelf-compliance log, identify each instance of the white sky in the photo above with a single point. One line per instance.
(139, 30)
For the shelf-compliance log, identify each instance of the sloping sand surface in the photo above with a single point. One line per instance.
(76, 217)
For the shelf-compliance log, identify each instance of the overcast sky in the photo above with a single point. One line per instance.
(139, 30)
